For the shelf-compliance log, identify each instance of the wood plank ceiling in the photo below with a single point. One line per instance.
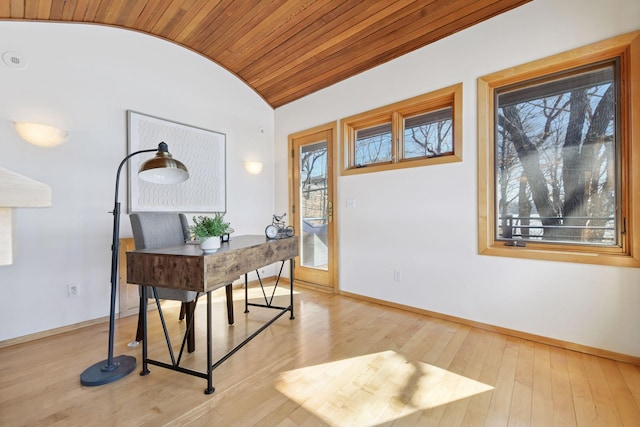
(283, 49)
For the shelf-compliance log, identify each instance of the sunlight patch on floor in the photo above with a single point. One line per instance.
(219, 296)
(281, 290)
(381, 386)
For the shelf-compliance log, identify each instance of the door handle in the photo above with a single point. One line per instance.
(330, 215)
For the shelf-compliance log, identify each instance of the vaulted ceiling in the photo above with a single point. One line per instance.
(283, 49)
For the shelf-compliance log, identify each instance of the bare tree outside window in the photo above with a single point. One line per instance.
(556, 153)
(313, 183)
(373, 145)
(428, 135)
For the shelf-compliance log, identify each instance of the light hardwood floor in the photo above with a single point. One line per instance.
(341, 362)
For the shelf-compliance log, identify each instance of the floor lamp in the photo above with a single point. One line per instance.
(161, 169)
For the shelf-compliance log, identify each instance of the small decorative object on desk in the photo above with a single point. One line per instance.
(278, 229)
(210, 231)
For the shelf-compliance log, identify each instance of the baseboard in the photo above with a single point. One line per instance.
(50, 332)
(307, 285)
(620, 357)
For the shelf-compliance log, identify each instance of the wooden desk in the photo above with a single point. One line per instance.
(187, 268)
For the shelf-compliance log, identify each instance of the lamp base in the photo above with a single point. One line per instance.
(100, 373)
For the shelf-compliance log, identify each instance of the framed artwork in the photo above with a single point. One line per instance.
(202, 152)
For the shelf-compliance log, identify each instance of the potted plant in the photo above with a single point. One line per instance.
(210, 230)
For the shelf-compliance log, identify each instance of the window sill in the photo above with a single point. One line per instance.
(531, 252)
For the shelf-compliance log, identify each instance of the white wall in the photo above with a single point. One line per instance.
(83, 78)
(423, 221)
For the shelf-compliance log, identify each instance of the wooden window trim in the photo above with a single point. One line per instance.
(446, 97)
(627, 47)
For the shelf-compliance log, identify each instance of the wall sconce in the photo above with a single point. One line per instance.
(254, 168)
(39, 134)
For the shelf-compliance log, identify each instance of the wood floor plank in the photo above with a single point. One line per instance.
(599, 385)
(625, 404)
(474, 354)
(583, 400)
(631, 375)
(520, 411)
(341, 362)
(444, 361)
(500, 406)
(564, 413)
(478, 407)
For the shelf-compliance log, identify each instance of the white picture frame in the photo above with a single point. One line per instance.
(202, 151)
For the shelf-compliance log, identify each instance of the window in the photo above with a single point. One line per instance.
(555, 156)
(420, 131)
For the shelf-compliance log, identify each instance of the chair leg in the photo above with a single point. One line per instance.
(229, 289)
(189, 308)
(183, 309)
(139, 331)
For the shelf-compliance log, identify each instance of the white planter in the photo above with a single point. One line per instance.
(210, 244)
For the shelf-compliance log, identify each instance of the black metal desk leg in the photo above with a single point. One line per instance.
(143, 313)
(246, 293)
(210, 389)
(291, 286)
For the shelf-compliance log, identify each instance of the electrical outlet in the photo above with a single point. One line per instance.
(397, 275)
(72, 290)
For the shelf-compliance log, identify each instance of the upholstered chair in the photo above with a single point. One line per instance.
(153, 230)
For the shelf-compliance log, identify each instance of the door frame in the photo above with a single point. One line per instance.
(333, 269)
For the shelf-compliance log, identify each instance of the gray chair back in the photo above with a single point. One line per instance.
(153, 230)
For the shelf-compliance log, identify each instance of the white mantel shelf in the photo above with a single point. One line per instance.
(17, 191)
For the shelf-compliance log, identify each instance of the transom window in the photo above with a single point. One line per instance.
(555, 158)
(416, 132)
(429, 134)
(373, 145)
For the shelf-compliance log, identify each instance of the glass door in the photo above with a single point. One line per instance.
(312, 205)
